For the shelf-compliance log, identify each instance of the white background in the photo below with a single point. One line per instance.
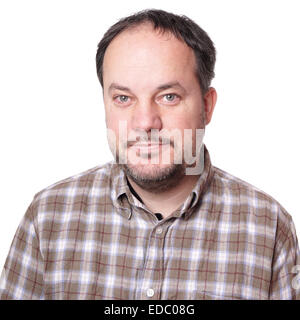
(52, 115)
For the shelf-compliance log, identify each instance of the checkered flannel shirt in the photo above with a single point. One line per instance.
(89, 237)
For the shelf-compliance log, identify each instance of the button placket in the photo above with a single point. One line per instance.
(156, 243)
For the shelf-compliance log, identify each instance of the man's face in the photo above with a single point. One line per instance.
(149, 82)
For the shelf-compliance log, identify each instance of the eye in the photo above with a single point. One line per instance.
(171, 98)
(121, 99)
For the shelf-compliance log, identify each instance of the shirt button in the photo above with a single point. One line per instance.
(150, 292)
(159, 230)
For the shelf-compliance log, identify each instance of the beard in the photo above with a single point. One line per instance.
(149, 170)
(155, 179)
(151, 175)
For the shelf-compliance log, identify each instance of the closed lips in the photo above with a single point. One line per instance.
(148, 144)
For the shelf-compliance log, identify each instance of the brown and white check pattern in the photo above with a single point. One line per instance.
(88, 237)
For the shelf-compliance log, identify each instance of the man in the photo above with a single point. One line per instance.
(160, 222)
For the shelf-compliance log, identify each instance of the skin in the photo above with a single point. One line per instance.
(149, 81)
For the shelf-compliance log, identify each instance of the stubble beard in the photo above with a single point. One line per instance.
(153, 177)
(156, 179)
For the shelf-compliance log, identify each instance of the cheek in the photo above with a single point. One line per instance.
(114, 116)
(111, 122)
(180, 121)
(187, 116)
(118, 122)
(193, 115)
(186, 123)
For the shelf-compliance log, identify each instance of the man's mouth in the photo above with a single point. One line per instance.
(146, 146)
(150, 147)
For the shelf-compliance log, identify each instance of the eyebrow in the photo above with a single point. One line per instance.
(117, 86)
(164, 86)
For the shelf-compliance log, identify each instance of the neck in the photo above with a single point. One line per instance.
(167, 201)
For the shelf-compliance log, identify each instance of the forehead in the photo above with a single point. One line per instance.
(144, 51)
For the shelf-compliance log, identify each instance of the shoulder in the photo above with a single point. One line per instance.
(84, 178)
(252, 201)
(80, 187)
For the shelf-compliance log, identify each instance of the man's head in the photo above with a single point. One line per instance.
(155, 69)
(181, 27)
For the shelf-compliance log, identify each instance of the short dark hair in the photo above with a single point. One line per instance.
(181, 26)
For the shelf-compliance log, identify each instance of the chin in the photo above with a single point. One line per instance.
(155, 178)
(150, 171)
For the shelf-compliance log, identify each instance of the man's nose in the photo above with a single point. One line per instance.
(146, 116)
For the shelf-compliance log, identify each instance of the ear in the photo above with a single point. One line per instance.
(210, 99)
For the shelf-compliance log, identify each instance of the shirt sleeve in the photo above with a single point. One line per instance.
(285, 283)
(22, 275)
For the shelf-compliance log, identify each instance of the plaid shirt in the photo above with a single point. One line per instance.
(89, 237)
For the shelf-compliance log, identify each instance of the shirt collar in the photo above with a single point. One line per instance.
(200, 187)
(120, 187)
